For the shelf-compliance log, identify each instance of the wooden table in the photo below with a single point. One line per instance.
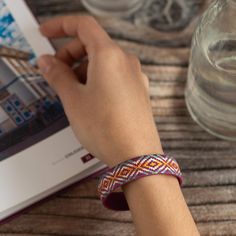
(208, 163)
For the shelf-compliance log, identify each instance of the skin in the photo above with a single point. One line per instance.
(107, 103)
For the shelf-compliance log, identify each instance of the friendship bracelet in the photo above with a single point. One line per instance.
(131, 170)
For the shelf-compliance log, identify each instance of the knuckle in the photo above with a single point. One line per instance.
(110, 52)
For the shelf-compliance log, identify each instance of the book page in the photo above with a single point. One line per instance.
(37, 148)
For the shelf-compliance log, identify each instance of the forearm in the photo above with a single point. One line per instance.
(158, 207)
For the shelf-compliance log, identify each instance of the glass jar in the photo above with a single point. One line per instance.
(211, 88)
(117, 8)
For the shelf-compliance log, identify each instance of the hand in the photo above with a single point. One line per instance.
(106, 101)
(108, 107)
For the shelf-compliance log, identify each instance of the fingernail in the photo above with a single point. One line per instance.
(45, 63)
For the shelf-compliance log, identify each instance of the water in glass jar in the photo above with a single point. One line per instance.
(211, 87)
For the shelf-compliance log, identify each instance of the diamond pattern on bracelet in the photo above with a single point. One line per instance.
(136, 168)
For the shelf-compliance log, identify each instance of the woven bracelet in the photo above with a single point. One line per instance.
(131, 170)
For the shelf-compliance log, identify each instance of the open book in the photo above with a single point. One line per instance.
(39, 153)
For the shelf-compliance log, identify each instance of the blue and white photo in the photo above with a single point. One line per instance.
(30, 110)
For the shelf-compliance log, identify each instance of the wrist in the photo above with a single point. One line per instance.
(127, 149)
(126, 154)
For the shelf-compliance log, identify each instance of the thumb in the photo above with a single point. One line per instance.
(60, 76)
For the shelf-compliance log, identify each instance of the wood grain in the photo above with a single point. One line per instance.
(208, 164)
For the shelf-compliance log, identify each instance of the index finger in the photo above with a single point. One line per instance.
(86, 28)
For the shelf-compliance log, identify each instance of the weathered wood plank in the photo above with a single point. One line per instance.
(92, 209)
(169, 112)
(157, 55)
(210, 195)
(77, 210)
(165, 73)
(206, 229)
(184, 135)
(204, 154)
(81, 208)
(174, 120)
(174, 103)
(165, 90)
(209, 163)
(217, 228)
(204, 159)
(209, 213)
(210, 178)
(195, 145)
(60, 225)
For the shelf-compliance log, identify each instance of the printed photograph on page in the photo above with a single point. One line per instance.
(30, 111)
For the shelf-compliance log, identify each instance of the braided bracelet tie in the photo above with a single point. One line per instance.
(130, 170)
